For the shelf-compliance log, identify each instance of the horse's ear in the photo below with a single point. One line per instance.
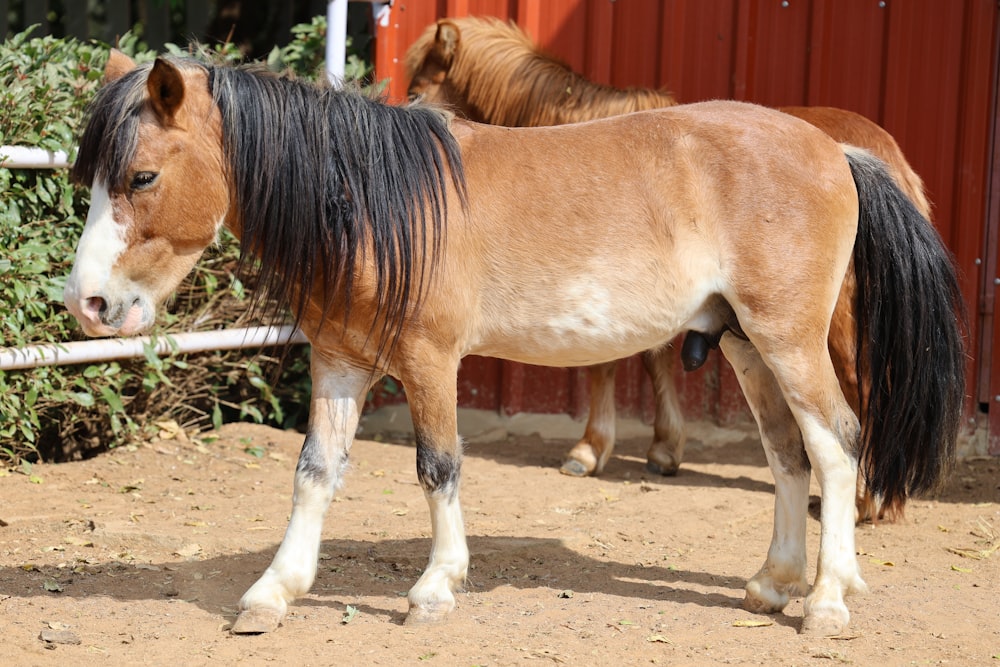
(118, 65)
(166, 88)
(446, 40)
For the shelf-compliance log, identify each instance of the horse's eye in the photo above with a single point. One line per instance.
(143, 180)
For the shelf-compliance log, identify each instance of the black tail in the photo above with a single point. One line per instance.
(911, 347)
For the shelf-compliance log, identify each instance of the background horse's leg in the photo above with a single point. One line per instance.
(431, 390)
(338, 394)
(784, 572)
(667, 449)
(590, 454)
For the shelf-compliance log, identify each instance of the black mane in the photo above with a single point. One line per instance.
(319, 177)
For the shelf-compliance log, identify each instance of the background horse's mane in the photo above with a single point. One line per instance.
(321, 179)
(512, 82)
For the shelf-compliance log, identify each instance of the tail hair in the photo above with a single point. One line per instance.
(911, 344)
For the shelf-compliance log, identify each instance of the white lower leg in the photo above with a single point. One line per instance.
(320, 471)
(293, 569)
(784, 572)
(431, 598)
(837, 572)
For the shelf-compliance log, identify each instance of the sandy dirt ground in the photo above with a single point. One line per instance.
(139, 557)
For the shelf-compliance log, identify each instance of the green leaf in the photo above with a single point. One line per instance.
(349, 615)
(112, 398)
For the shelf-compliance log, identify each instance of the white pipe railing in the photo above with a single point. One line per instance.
(336, 41)
(23, 157)
(108, 349)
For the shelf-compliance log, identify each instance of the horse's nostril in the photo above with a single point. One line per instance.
(95, 305)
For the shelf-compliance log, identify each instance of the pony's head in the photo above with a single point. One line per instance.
(152, 155)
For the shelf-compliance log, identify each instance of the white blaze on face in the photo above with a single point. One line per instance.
(101, 244)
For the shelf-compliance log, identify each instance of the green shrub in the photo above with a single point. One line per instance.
(72, 411)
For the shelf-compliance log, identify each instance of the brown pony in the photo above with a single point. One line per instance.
(402, 240)
(490, 71)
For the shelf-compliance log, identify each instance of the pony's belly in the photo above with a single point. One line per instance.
(550, 348)
(581, 337)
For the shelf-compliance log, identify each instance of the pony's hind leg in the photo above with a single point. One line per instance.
(784, 571)
(338, 393)
(431, 391)
(590, 454)
(830, 432)
(667, 449)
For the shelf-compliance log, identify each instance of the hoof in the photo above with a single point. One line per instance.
(574, 468)
(823, 626)
(763, 600)
(759, 606)
(663, 470)
(427, 615)
(256, 621)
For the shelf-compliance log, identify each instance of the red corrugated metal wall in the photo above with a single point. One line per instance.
(923, 69)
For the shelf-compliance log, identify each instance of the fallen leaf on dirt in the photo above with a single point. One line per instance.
(955, 568)
(168, 429)
(52, 586)
(195, 524)
(607, 496)
(35, 479)
(132, 486)
(349, 614)
(78, 542)
(886, 563)
(565, 594)
(256, 452)
(975, 554)
(401, 512)
(751, 623)
(3, 524)
(658, 638)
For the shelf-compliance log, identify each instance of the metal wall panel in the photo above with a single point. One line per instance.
(924, 69)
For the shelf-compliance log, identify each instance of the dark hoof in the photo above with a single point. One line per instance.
(574, 468)
(664, 471)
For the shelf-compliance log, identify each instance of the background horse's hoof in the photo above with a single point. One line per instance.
(574, 468)
(582, 461)
(665, 471)
(256, 621)
(662, 464)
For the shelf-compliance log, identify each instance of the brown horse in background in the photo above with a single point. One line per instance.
(490, 71)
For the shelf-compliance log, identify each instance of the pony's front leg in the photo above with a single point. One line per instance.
(593, 451)
(431, 392)
(338, 394)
